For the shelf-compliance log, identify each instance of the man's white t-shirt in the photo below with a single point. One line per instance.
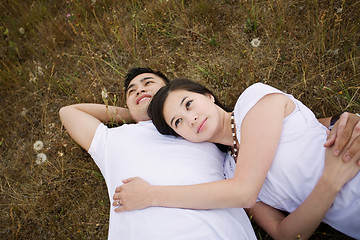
(140, 150)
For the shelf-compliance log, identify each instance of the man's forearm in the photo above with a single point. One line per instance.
(325, 121)
(105, 113)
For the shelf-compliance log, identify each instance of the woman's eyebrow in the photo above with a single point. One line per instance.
(182, 101)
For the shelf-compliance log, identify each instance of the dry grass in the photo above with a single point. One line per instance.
(55, 53)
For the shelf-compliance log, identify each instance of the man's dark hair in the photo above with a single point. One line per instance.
(132, 73)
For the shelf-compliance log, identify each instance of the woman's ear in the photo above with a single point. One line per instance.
(210, 96)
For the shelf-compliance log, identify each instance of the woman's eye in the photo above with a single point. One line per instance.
(177, 122)
(130, 91)
(188, 104)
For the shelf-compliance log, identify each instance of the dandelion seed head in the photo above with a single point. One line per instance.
(255, 42)
(40, 158)
(32, 77)
(23, 112)
(61, 154)
(38, 145)
(22, 31)
(339, 10)
(104, 94)
(40, 71)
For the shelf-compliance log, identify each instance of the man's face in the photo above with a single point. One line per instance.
(139, 94)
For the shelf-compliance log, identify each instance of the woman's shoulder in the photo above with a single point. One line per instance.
(254, 93)
(249, 98)
(259, 89)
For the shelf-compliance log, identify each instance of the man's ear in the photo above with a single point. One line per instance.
(210, 96)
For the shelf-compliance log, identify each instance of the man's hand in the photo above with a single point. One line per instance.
(345, 135)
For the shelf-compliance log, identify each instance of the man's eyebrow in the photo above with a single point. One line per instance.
(182, 101)
(145, 78)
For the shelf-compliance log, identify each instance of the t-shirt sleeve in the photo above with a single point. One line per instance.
(97, 147)
(229, 166)
(248, 99)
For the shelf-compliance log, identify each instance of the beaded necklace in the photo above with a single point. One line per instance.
(234, 151)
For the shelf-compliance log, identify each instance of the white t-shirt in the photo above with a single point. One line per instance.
(139, 150)
(299, 163)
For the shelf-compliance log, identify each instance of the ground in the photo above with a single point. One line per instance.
(55, 53)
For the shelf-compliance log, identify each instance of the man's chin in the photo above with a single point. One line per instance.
(141, 118)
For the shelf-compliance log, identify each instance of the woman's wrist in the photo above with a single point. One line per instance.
(153, 195)
(330, 182)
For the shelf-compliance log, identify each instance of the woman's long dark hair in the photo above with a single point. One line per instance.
(156, 107)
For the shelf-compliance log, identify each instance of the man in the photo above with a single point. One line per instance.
(139, 150)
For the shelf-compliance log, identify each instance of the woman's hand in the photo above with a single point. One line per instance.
(338, 172)
(134, 194)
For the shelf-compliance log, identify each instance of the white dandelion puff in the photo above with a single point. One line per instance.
(40, 158)
(32, 77)
(22, 31)
(40, 71)
(23, 112)
(104, 94)
(255, 42)
(339, 10)
(61, 154)
(38, 145)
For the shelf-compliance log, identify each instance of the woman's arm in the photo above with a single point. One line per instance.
(260, 131)
(306, 218)
(81, 120)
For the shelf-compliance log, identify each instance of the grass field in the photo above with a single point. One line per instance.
(55, 53)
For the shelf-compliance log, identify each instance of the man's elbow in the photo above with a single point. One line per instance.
(63, 112)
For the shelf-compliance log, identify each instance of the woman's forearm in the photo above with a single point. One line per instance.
(306, 218)
(220, 194)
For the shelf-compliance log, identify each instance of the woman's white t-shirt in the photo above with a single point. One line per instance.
(299, 163)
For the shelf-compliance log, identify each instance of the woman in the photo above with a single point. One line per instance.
(278, 146)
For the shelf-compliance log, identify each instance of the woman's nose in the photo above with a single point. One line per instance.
(140, 91)
(193, 120)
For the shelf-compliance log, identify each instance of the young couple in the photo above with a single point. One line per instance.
(269, 124)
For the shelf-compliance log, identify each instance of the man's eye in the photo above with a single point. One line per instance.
(188, 104)
(148, 82)
(177, 122)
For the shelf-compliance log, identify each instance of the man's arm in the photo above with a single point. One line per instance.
(305, 219)
(81, 120)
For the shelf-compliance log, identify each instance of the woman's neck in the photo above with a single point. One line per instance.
(224, 133)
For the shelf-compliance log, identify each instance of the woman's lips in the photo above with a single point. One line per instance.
(202, 125)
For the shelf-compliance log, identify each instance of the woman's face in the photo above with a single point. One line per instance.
(193, 116)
